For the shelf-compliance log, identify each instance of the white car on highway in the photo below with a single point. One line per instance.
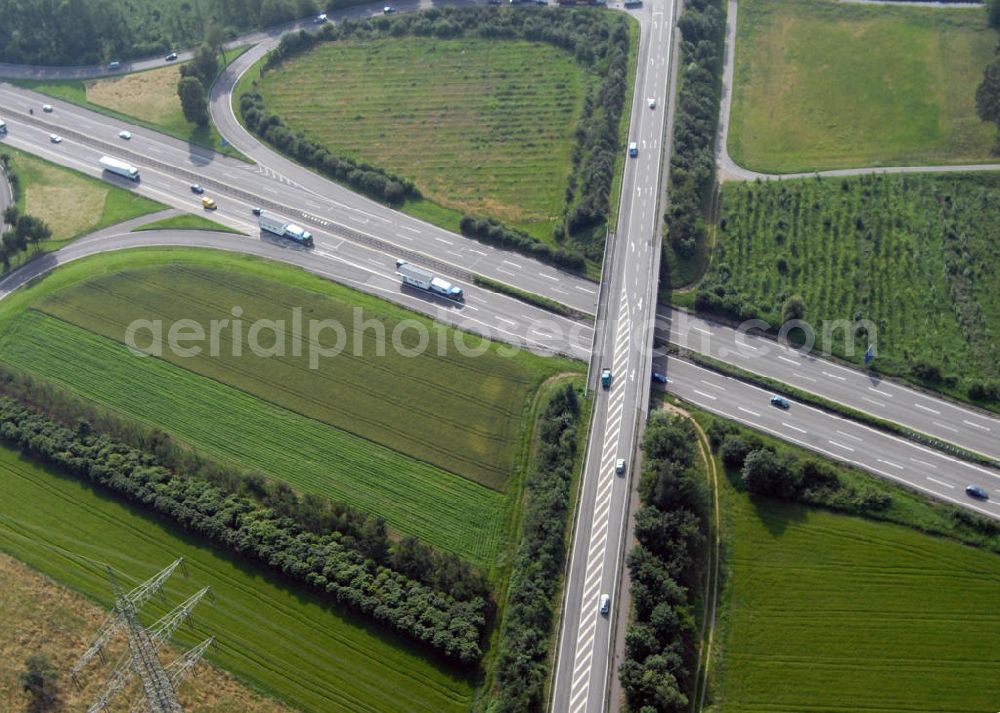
(125, 135)
(55, 138)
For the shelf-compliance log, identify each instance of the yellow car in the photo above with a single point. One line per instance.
(208, 203)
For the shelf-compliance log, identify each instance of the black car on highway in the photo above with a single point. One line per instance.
(974, 491)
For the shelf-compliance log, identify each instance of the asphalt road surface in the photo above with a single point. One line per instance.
(169, 166)
(623, 344)
(865, 391)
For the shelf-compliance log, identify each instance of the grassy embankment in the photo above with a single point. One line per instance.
(71, 203)
(428, 442)
(278, 638)
(482, 127)
(188, 221)
(822, 85)
(830, 611)
(147, 98)
(916, 255)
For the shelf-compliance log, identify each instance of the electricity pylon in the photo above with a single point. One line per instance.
(159, 683)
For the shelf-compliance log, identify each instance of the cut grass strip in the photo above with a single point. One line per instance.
(188, 221)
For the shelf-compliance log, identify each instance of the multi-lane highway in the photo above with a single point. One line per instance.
(923, 469)
(168, 166)
(867, 392)
(623, 344)
(356, 240)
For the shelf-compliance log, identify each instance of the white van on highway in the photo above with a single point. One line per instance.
(3, 127)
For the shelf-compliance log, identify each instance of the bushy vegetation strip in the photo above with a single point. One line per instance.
(692, 163)
(909, 262)
(443, 571)
(493, 232)
(278, 636)
(666, 567)
(326, 562)
(525, 639)
(531, 298)
(599, 41)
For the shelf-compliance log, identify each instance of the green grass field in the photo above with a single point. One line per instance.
(279, 639)
(187, 221)
(480, 126)
(353, 430)
(835, 613)
(415, 498)
(461, 413)
(917, 255)
(832, 612)
(822, 85)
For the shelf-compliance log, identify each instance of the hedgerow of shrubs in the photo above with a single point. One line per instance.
(599, 41)
(367, 533)
(324, 561)
(692, 164)
(522, 663)
(661, 645)
(492, 231)
(778, 473)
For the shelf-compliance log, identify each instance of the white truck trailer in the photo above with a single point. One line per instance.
(426, 280)
(120, 168)
(286, 229)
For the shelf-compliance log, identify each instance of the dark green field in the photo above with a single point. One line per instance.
(918, 255)
(481, 126)
(829, 612)
(282, 640)
(372, 431)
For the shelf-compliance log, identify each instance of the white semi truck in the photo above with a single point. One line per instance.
(280, 226)
(426, 280)
(120, 168)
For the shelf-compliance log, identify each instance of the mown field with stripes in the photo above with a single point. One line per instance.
(363, 429)
(485, 127)
(280, 639)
